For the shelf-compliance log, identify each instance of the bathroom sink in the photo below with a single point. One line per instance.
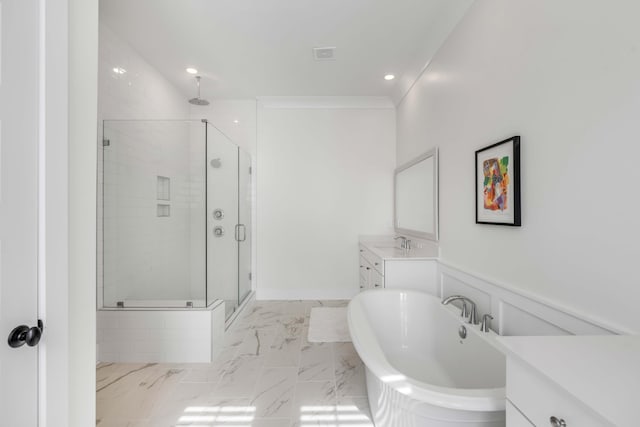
(393, 252)
(386, 246)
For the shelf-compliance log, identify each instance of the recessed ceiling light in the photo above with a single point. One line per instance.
(119, 70)
(389, 77)
(236, 121)
(192, 70)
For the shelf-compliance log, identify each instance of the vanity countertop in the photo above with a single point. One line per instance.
(387, 250)
(601, 371)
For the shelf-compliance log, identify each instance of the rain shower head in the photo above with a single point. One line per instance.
(197, 100)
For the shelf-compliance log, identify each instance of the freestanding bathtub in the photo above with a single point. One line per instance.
(419, 370)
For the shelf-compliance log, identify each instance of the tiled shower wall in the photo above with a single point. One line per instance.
(131, 89)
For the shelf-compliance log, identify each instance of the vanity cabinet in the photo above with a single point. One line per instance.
(396, 269)
(515, 417)
(542, 403)
(572, 381)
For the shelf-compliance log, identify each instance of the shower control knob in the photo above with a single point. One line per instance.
(218, 214)
(557, 422)
(218, 231)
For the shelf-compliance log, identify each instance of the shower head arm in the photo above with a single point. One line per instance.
(198, 100)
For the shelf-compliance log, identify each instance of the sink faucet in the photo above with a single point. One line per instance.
(404, 243)
(473, 315)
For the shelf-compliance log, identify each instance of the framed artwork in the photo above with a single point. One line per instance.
(498, 183)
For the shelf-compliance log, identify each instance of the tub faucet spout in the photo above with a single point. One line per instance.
(472, 315)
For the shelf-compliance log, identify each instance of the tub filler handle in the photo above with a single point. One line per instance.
(486, 320)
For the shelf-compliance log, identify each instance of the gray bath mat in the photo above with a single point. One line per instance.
(328, 324)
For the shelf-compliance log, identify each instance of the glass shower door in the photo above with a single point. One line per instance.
(244, 225)
(222, 220)
(151, 213)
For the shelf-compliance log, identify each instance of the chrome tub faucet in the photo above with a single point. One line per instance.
(472, 315)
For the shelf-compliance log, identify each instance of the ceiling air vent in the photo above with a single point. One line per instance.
(324, 53)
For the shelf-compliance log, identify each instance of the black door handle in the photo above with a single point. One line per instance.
(25, 335)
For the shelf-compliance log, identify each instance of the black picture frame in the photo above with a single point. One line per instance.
(503, 209)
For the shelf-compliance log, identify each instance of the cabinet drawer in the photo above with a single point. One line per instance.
(364, 282)
(375, 261)
(376, 280)
(363, 265)
(365, 269)
(539, 399)
(515, 417)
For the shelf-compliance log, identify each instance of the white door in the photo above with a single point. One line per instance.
(19, 123)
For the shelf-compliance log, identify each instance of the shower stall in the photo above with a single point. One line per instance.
(174, 217)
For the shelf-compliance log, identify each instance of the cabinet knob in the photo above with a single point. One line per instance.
(376, 263)
(368, 268)
(557, 422)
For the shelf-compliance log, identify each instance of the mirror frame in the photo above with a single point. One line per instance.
(416, 233)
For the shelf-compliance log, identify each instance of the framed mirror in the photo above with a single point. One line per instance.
(416, 197)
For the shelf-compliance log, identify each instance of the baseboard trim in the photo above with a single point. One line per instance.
(305, 294)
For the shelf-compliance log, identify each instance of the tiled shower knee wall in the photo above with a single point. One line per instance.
(177, 336)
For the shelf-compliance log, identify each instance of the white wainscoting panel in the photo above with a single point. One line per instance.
(513, 312)
(402, 274)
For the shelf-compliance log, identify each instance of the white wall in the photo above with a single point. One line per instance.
(223, 114)
(564, 76)
(140, 93)
(324, 177)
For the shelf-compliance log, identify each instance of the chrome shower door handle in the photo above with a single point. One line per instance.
(237, 233)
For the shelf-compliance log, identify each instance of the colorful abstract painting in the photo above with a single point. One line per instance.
(498, 183)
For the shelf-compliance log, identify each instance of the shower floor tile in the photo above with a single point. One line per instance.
(268, 375)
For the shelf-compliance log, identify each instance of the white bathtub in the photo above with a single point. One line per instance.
(419, 371)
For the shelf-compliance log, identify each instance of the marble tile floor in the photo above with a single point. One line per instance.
(267, 375)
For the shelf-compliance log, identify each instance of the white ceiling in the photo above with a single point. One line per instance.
(250, 48)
